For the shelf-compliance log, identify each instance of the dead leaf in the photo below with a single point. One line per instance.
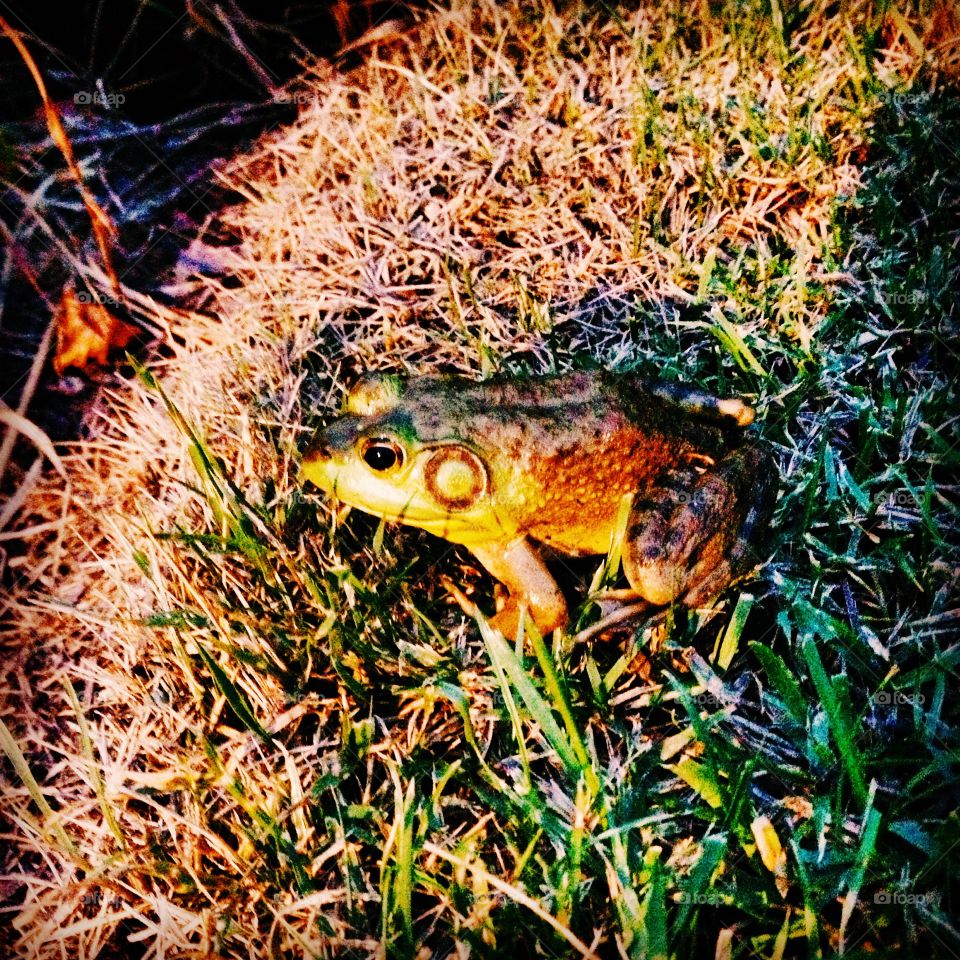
(87, 332)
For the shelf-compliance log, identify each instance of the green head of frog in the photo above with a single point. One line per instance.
(405, 462)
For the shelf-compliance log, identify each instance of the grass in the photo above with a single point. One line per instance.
(239, 722)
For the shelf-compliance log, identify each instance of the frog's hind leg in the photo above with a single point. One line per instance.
(722, 561)
(701, 531)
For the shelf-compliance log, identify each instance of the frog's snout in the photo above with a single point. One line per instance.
(318, 452)
(317, 449)
(326, 452)
(317, 463)
(335, 439)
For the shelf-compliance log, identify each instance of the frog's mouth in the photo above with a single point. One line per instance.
(320, 471)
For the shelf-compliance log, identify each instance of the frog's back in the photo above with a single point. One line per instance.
(564, 449)
(572, 415)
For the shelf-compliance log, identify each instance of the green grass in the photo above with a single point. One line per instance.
(834, 713)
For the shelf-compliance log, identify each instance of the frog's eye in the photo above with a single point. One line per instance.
(382, 454)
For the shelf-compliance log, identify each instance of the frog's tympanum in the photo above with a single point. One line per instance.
(516, 469)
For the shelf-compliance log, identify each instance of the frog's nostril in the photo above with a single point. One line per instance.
(318, 448)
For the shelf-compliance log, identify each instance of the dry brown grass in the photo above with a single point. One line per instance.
(506, 187)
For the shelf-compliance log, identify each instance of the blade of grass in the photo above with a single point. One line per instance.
(561, 703)
(731, 338)
(515, 894)
(730, 641)
(93, 767)
(653, 944)
(784, 683)
(842, 733)
(22, 768)
(701, 778)
(495, 652)
(234, 696)
(403, 878)
(868, 843)
(507, 665)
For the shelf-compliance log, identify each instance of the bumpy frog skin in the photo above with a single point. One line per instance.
(508, 467)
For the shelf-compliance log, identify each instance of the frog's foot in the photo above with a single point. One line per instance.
(507, 620)
(611, 602)
(695, 538)
(463, 601)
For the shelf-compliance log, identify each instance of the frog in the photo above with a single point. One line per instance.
(520, 470)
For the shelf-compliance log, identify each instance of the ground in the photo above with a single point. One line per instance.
(241, 723)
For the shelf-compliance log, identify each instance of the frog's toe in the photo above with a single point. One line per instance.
(657, 583)
(507, 621)
(710, 586)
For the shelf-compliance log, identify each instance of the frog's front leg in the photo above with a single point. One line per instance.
(696, 532)
(520, 568)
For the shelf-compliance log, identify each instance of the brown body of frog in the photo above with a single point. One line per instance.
(506, 465)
